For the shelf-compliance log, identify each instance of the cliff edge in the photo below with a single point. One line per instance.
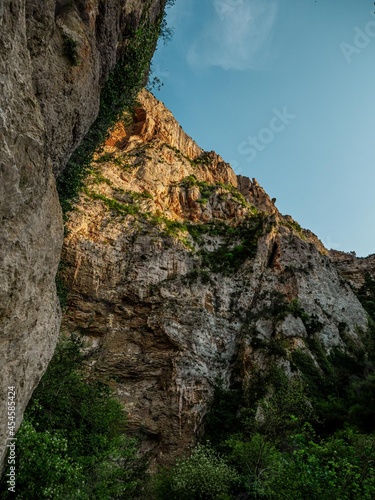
(55, 57)
(182, 274)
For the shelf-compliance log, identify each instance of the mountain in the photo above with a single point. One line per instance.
(183, 276)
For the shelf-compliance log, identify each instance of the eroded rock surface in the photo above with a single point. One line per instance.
(352, 268)
(180, 271)
(54, 59)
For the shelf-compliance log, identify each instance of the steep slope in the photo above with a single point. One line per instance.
(55, 57)
(182, 274)
(352, 268)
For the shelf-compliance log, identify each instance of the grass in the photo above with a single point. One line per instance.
(114, 205)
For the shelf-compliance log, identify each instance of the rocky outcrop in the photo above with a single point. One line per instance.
(352, 268)
(54, 59)
(179, 271)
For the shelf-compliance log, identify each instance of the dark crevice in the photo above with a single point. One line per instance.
(272, 257)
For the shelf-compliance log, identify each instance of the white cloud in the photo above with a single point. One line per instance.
(179, 12)
(235, 36)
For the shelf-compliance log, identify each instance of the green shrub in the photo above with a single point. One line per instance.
(366, 295)
(189, 181)
(203, 159)
(284, 411)
(241, 243)
(203, 475)
(199, 274)
(44, 467)
(224, 413)
(71, 443)
(119, 93)
(114, 205)
(170, 227)
(255, 460)
(239, 197)
(340, 467)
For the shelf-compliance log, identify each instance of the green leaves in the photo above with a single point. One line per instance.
(339, 467)
(205, 474)
(45, 469)
(240, 244)
(119, 94)
(72, 442)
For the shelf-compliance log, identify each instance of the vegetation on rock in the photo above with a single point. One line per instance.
(119, 94)
(308, 436)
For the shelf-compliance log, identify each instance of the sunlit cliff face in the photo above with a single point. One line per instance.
(182, 274)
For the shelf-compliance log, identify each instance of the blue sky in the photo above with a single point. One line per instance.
(283, 90)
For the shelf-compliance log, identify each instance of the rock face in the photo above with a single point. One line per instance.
(54, 58)
(353, 268)
(180, 272)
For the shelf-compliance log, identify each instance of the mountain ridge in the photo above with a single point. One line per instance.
(178, 278)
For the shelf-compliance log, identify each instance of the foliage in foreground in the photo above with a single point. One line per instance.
(71, 443)
(312, 436)
(205, 474)
(279, 457)
(341, 466)
(294, 446)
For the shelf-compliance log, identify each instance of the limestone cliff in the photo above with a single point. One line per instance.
(182, 274)
(55, 56)
(352, 268)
